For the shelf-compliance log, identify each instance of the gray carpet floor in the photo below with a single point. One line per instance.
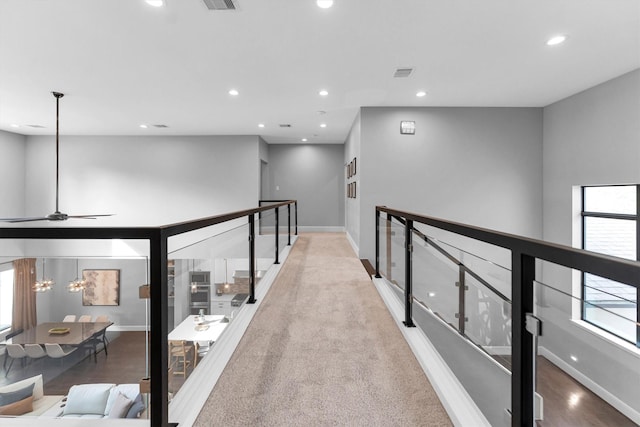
(322, 350)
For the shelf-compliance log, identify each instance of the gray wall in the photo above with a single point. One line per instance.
(590, 138)
(352, 206)
(312, 174)
(480, 166)
(12, 174)
(143, 180)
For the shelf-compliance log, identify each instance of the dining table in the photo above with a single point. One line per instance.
(63, 333)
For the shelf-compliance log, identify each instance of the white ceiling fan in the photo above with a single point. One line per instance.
(57, 215)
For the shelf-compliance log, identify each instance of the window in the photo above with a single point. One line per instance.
(610, 226)
(6, 298)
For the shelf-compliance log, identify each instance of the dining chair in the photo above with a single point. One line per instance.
(34, 351)
(55, 351)
(179, 356)
(4, 346)
(84, 318)
(93, 343)
(69, 318)
(15, 351)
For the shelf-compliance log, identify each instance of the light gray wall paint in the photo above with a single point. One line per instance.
(590, 138)
(12, 174)
(143, 180)
(312, 174)
(352, 206)
(12, 177)
(480, 166)
(52, 306)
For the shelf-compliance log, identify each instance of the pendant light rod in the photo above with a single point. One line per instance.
(58, 95)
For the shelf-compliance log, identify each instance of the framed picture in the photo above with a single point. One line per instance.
(354, 166)
(348, 190)
(349, 170)
(355, 192)
(102, 287)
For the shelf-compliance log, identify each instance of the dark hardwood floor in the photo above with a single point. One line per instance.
(568, 403)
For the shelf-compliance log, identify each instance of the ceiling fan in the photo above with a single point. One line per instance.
(57, 215)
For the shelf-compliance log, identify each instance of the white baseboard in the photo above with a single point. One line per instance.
(612, 400)
(456, 401)
(187, 403)
(355, 247)
(320, 229)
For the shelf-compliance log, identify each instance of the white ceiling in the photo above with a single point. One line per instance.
(122, 63)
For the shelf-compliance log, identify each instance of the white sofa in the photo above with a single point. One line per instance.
(91, 401)
(41, 403)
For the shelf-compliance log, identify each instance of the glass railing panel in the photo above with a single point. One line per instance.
(92, 326)
(209, 284)
(435, 280)
(266, 245)
(583, 349)
(488, 319)
(392, 263)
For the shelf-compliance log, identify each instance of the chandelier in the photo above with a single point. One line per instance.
(45, 284)
(77, 284)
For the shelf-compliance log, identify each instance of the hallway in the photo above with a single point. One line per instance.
(323, 350)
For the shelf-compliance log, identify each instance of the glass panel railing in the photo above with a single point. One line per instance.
(392, 258)
(582, 349)
(79, 323)
(435, 281)
(210, 285)
(488, 319)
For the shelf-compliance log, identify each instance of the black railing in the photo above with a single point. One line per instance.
(159, 293)
(524, 253)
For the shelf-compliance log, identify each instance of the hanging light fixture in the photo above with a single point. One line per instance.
(78, 284)
(45, 284)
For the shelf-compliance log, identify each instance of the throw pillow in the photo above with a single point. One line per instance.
(136, 407)
(17, 395)
(120, 406)
(20, 407)
(38, 391)
(87, 398)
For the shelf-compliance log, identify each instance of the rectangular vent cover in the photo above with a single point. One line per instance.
(220, 4)
(285, 125)
(403, 72)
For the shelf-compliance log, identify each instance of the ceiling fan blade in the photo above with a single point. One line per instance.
(88, 216)
(39, 218)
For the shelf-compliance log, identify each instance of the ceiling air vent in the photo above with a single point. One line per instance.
(286, 125)
(160, 126)
(36, 126)
(403, 72)
(220, 4)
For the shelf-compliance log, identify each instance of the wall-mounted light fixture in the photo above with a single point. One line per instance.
(407, 127)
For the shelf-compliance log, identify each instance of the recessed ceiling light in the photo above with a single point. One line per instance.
(155, 3)
(421, 93)
(323, 125)
(233, 92)
(144, 126)
(304, 139)
(324, 4)
(14, 125)
(555, 40)
(323, 92)
(260, 125)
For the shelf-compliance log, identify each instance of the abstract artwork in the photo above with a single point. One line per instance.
(102, 287)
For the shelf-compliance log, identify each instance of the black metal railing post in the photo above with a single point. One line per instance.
(523, 362)
(461, 299)
(378, 244)
(408, 293)
(388, 247)
(252, 260)
(296, 209)
(277, 234)
(158, 345)
(289, 224)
